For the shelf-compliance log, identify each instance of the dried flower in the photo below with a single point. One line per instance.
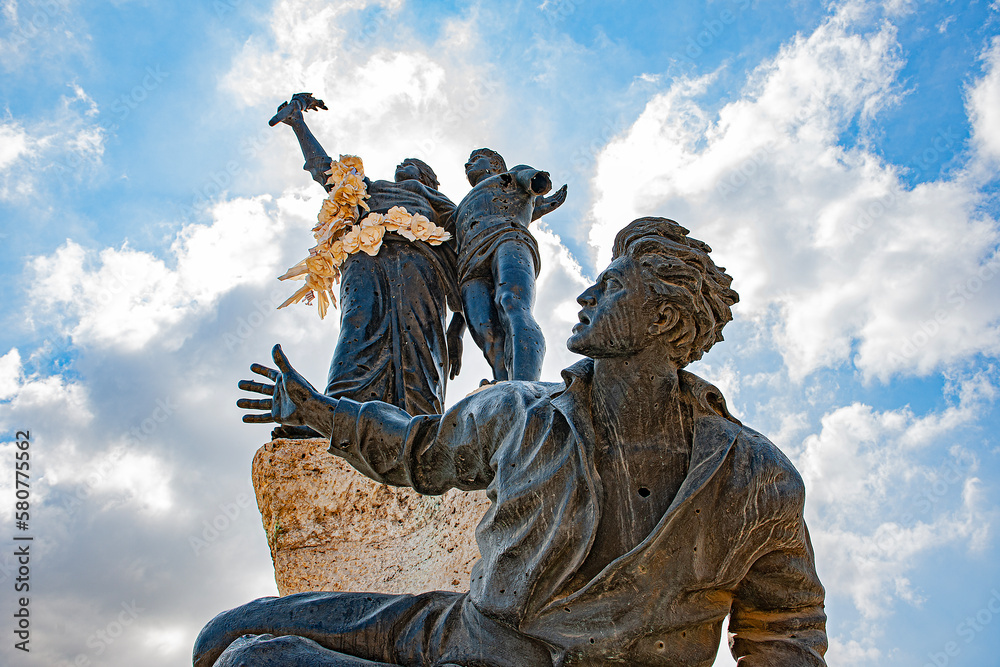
(337, 252)
(372, 219)
(351, 191)
(353, 162)
(396, 219)
(438, 236)
(336, 172)
(421, 227)
(370, 239)
(352, 240)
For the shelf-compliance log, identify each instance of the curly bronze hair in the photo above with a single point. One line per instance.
(427, 175)
(680, 272)
(499, 165)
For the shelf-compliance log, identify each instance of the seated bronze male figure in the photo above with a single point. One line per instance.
(630, 512)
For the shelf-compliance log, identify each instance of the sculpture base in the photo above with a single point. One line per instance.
(331, 529)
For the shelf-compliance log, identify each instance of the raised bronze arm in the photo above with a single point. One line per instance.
(290, 113)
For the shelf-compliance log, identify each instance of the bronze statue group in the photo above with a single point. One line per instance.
(630, 512)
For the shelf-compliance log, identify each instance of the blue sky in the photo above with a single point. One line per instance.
(841, 159)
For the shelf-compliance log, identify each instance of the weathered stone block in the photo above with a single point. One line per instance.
(331, 529)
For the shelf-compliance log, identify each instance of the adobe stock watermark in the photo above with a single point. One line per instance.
(711, 30)
(212, 529)
(124, 104)
(745, 172)
(890, 536)
(102, 638)
(363, 38)
(557, 11)
(476, 97)
(220, 179)
(263, 310)
(165, 409)
(958, 297)
(40, 19)
(222, 8)
(584, 156)
(938, 149)
(970, 628)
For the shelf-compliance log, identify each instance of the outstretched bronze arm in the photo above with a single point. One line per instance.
(290, 113)
(291, 399)
(544, 205)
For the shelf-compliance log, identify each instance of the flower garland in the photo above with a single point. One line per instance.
(339, 235)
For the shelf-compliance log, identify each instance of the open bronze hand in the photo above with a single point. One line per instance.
(545, 205)
(291, 396)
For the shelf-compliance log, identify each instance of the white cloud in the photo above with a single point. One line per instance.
(128, 298)
(10, 374)
(829, 249)
(15, 149)
(64, 143)
(881, 492)
(13, 144)
(984, 105)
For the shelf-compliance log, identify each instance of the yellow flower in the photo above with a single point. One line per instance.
(370, 239)
(421, 228)
(331, 210)
(351, 191)
(337, 252)
(325, 234)
(396, 219)
(328, 211)
(438, 236)
(353, 162)
(351, 240)
(320, 263)
(336, 172)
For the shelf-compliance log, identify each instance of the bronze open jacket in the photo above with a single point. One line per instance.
(733, 541)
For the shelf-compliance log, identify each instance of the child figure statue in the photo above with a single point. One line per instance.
(498, 261)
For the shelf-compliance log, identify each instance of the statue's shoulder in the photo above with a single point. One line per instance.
(754, 451)
(704, 397)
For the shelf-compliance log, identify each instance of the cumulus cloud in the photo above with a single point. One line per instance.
(882, 492)
(831, 251)
(431, 99)
(127, 298)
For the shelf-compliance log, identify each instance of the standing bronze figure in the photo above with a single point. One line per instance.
(630, 512)
(393, 344)
(498, 261)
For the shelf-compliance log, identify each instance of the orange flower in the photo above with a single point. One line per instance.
(336, 172)
(331, 210)
(320, 263)
(337, 252)
(351, 191)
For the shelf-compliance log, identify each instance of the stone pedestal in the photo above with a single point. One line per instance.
(331, 529)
